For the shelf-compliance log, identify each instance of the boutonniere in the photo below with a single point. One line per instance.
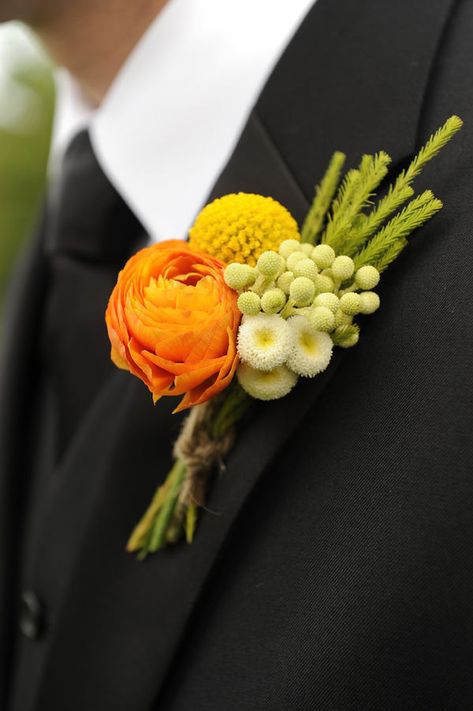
(250, 306)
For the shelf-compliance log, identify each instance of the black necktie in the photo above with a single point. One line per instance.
(91, 233)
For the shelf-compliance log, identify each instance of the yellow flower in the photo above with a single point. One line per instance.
(240, 227)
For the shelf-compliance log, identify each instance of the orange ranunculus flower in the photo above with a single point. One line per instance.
(173, 322)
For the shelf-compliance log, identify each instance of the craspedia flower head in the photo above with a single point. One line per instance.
(343, 267)
(270, 385)
(284, 281)
(311, 351)
(238, 276)
(173, 321)
(249, 303)
(342, 319)
(307, 248)
(323, 255)
(322, 318)
(323, 284)
(273, 301)
(367, 277)
(264, 341)
(350, 303)
(329, 300)
(295, 257)
(302, 291)
(369, 302)
(288, 247)
(270, 264)
(240, 227)
(305, 268)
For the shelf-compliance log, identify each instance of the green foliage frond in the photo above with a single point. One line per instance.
(414, 215)
(391, 254)
(324, 193)
(367, 226)
(431, 149)
(367, 236)
(354, 195)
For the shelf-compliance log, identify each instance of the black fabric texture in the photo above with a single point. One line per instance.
(333, 569)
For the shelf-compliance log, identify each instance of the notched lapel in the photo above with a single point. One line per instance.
(258, 166)
(122, 452)
(17, 383)
(120, 622)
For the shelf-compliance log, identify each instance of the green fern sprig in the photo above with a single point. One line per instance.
(431, 149)
(355, 195)
(361, 232)
(402, 189)
(414, 215)
(391, 254)
(367, 237)
(324, 194)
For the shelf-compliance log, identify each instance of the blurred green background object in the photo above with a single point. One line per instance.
(26, 110)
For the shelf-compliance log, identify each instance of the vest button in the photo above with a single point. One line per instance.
(31, 615)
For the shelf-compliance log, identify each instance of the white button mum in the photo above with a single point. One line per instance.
(264, 341)
(270, 385)
(311, 351)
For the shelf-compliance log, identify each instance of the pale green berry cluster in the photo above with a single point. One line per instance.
(307, 280)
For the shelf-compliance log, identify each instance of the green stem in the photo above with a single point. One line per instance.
(191, 522)
(176, 477)
(289, 309)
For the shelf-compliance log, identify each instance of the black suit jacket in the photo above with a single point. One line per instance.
(334, 568)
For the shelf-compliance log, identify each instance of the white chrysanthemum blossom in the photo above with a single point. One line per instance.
(367, 277)
(288, 247)
(328, 300)
(323, 255)
(270, 264)
(306, 268)
(273, 301)
(239, 276)
(369, 302)
(284, 281)
(343, 267)
(311, 351)
(265, 341)
(249, 303)
(270, 385)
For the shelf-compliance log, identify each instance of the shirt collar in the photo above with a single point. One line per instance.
(174, 113)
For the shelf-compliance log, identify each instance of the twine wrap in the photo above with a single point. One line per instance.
(200, 452)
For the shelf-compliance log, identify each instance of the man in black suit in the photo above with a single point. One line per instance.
(338, 573)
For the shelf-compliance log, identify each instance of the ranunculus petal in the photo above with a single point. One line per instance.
(172, 321)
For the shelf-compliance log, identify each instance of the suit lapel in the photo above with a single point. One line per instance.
(16, 387)
(117, 623)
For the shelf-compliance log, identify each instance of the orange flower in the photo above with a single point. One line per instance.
(172, 321)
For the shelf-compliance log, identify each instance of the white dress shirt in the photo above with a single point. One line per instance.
(174, 113)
